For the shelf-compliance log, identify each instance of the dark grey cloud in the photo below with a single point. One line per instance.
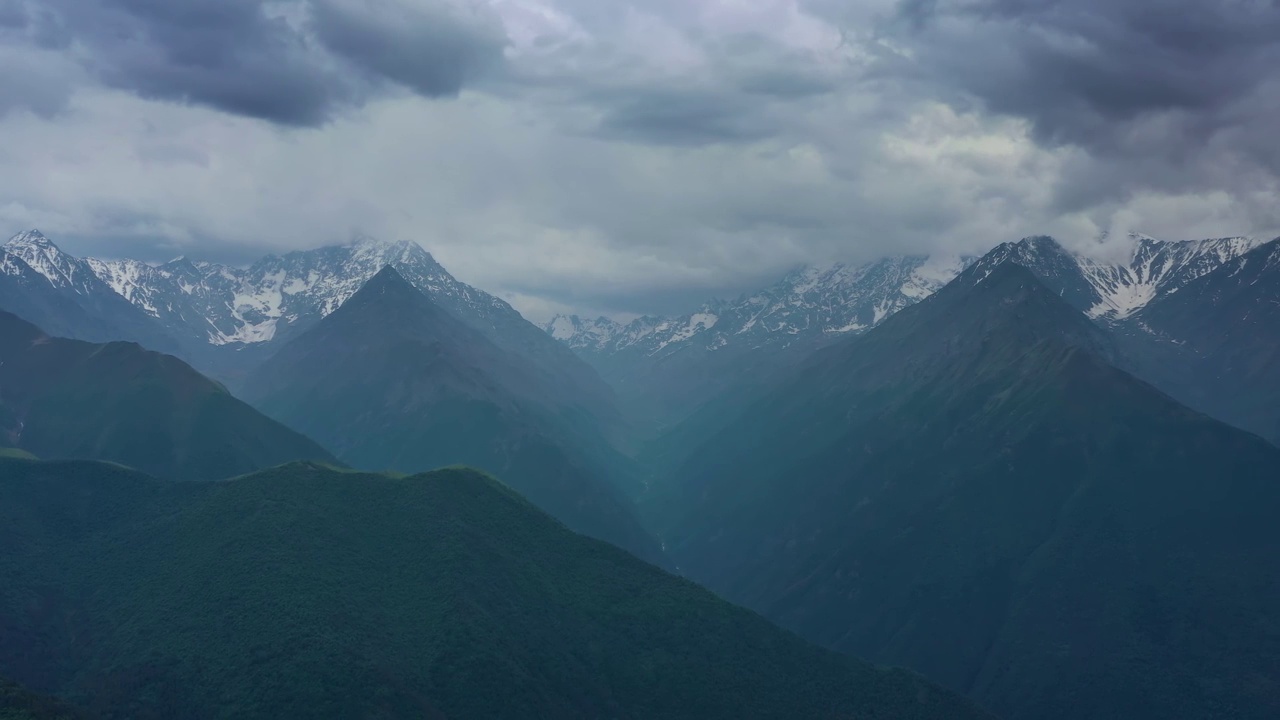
(13, 15)
(1080, 70)
(31, 79)
(1162, 96)
(293, 63)
(676, 116)
(433, 48)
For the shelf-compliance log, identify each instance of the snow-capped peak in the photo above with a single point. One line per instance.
(1109, 286)
(30, 238)
(60, 269)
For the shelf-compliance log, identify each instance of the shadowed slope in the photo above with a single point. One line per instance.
(971, 490)
(64, 398)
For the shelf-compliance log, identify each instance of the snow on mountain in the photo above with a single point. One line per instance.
(1156, 268)
(76, 302)
(808, 305)
(840, 299)
(222, 305)
(63, 271)
(1108, 290)
(578, 332)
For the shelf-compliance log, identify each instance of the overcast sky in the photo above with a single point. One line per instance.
(617, 156)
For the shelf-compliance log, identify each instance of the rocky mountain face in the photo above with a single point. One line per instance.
(46, 286)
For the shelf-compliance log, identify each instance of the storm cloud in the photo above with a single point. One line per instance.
(625, 156)
(1174, 95)
(293, 62)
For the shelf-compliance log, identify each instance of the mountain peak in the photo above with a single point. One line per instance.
(30, 238)
(385, 252)
(390, 300)
(996, 303)
(388, 279)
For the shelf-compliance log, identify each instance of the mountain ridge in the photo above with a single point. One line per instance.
(422, 389)
(841, 502)
(226, 320)
(62, 398)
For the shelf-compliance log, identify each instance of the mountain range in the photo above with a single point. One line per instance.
(226, 320)
(1045, 479)
(306, 591)
(974, 490)
(664, 369)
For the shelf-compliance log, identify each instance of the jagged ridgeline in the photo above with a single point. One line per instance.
(306, 591)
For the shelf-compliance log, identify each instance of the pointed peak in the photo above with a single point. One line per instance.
(1041, 243)
(402, 251)
(1009, 274)
(385, 289)
(30, 238)
(388, 276)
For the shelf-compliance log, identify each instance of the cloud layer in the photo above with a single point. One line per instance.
(630, 157)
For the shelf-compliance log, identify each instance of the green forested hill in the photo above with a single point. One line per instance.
(305, 591)
(64, 398)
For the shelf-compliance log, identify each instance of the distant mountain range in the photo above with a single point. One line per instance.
(823, 301)
(225, 320)
(664, 368)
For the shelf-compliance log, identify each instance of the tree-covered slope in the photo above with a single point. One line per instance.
(306, 591)
(390, 381)
(973, 491)
(64, 398)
